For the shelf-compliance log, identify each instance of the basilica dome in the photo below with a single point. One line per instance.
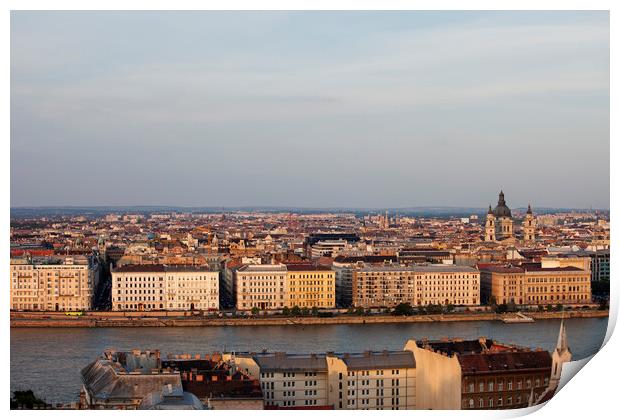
(501, 210)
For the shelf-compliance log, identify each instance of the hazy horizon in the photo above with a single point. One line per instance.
(310, 109)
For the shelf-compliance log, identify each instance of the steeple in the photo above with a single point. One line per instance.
(490, 210)
(529, 209)
(562, 344)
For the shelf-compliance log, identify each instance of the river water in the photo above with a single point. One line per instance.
(48, 360)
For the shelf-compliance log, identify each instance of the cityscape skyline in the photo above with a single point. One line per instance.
(288, 109)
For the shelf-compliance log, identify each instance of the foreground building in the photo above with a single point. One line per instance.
(494, 375)
(142, 380)
(159, 287)
(53, 283)
(126, 380)
(372, 380)
(387, 286)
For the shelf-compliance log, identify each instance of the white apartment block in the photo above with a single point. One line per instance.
(53, 283)
(372, 380)
(163, 287)
(387, 286)
(261, 286)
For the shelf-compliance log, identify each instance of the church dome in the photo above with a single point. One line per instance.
(502, 209)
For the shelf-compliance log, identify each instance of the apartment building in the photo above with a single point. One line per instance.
(344, 266)
(262, 286)
(53, 283)
(349, 381)
(600, 265)
(387, 286)
(310, 285)
(371, 380)
(159, 287)
(500, 376)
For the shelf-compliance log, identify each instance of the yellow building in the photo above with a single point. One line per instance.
(556, 285)
(536, 284)
(310, 286)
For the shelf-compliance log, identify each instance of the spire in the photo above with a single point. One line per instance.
(531, 401)
(501, 201)
(562, 341)
(529, 209)
(490, 211)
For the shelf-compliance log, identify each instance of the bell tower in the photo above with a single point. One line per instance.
(529, 226)
(489, 227)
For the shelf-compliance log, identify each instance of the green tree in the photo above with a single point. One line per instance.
(286, 311)
(315, 311)
(255, 311)
(359, 311)
(403, 309)
(305, 311)
(501, 308)
(450, 308)
(295, 311)
(26, 399)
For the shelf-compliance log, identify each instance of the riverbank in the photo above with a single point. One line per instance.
(92, 320)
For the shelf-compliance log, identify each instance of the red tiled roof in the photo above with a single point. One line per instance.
(504, 361)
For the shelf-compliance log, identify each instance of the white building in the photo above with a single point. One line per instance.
(372, 380)
(163, 287)
(387, 286)
(53, 283)
(261, 286)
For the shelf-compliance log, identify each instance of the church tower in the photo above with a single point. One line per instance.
(504, 219)
(489, 227)
(529, 226)
(560, 355)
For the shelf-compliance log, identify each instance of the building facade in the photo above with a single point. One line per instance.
(262, 286)
(349, 381)
(535, 284)
(309, 286)
(387, 286)
(494, 375)
(162, 287)
(600, 265)
(53, 284)
(344, 266)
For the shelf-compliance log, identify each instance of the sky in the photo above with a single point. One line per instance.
(310, 109)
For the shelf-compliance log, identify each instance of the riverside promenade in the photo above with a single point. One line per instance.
(185, 319)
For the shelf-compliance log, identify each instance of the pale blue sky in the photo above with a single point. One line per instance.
(311, 109)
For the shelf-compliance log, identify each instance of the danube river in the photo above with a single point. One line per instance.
(48, 361)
